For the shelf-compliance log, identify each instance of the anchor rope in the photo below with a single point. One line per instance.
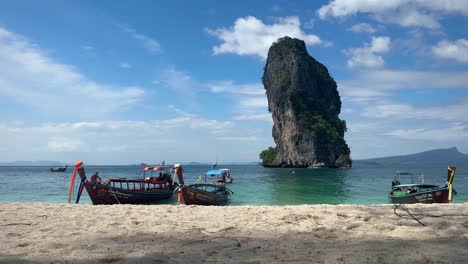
(405, 209)
(420, 215)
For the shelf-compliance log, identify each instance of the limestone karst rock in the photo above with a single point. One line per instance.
(304, 102)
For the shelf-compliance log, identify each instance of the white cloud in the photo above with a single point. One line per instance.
(455, 133)
(29, 76)
(455, 50)
(255, 117)
(185, 136)
(178, 80)
(247, 138)
(410, 18)
(407, 13)
(366, 56)
(231, 87)
(375, 84)
(400, 79)
(359, 127)
(250, 36)
(258, 102)
(125, 65)
(182, 83)
(150, 44)
(63, 144)
(251, 99)
(362, 27)
(450, 112)
(385, 110)
(389, 136)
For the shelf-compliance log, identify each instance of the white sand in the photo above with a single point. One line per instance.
(59, 233)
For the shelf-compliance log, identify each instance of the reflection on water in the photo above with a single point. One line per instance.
(253, 185)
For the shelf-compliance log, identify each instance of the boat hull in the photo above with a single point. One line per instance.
(196, 196)
(58, 170)
(435, 196)
(105, 194)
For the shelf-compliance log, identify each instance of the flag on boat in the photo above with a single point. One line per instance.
(421, 178)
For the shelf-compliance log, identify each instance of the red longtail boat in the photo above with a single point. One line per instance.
(124, 191)
(202, 193)
(205, 194)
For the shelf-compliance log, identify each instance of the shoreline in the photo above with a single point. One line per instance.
(63, 233)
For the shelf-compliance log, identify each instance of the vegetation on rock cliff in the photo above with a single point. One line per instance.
(268, 156)
(328, 133)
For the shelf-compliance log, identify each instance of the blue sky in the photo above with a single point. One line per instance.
(127, 82)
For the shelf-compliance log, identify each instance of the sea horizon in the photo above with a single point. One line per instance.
(252, 185)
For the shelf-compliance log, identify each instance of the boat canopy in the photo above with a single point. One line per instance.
(156, 168)
(415, 185)
(215, 172)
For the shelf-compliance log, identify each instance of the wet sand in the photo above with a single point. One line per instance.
(60, 233)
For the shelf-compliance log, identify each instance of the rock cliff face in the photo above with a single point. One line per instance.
(304, 102)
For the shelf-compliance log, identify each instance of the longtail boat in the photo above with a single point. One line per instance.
(63, 169)
(422, 193)
(205, 194)
(202, 193)
(124, 191)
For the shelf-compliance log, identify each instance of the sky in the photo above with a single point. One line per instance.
(145, 81)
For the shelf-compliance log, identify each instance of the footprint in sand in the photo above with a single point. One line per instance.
(324, 233)
(442, 225)
(55, 245)
(45, 229)
(111, 260)
(352, 226)
(24, 244)
(342, 215)
(319, 229)
(13, 235)
(294, 218)
(385, 227)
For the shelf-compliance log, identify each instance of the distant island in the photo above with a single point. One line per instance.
(304, 103)
(32, 163)
(450, 156)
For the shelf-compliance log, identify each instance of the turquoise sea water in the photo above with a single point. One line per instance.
(253, 185)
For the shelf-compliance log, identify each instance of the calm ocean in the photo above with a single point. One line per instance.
(253, 185)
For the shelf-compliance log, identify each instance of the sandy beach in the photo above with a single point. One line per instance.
(61, 233)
